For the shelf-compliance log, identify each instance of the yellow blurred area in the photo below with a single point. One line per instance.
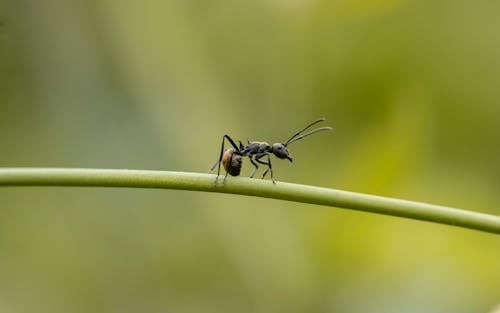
(410, 87)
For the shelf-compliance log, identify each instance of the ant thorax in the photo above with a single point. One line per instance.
(255, 147)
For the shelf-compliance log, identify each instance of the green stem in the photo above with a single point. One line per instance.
(249, 187)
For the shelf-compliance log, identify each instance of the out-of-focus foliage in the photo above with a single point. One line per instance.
(411, 88)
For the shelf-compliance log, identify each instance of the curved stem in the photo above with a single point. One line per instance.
(249, 187)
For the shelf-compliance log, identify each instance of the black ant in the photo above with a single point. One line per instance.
(231, 158)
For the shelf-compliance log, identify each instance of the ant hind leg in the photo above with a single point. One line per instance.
(224, 180)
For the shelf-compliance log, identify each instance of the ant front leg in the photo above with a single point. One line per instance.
(268, 163)
(218, 162)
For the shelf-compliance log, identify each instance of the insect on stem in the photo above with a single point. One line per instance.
(259, 152)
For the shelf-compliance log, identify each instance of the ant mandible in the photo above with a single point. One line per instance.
(232, 158)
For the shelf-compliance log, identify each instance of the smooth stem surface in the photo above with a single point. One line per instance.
(249, 187)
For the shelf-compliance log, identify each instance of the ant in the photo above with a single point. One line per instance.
(232, 158)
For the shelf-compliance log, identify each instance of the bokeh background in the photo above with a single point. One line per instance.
(412, 89)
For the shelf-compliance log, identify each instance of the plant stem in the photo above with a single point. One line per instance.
(249, 187)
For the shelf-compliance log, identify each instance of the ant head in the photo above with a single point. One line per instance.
(281, 151)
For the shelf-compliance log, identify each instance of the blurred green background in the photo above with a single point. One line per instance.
(412, 89)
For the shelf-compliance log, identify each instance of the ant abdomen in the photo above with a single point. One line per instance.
(232, 162)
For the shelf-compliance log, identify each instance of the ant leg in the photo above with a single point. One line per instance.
(215, 164)
(254, 164)
(268, 163)
(224, 180)
(265, 172)
(218, 162)
(270, 168)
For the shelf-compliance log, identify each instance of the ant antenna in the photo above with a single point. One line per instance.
(299, 135)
